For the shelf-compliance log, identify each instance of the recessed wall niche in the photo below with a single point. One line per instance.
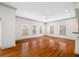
(40, 30)
(25, 30)
(51, 29)
(62, 30)
(34, 30)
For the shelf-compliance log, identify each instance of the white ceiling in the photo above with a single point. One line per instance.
(44, 11)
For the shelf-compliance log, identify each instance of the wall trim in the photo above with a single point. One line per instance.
(3, 4)
(29, 19)
(61, 37)
(63, 19)
(30, 38)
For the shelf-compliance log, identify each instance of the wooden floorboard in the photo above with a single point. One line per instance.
(41, 47)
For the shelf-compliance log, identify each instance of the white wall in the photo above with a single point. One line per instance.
(7, 15)
(21, 22)
(71, 26)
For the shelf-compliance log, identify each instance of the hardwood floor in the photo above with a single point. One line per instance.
(44, 46)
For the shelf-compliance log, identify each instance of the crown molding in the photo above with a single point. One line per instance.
(45, 22)
(63, 19)
(3, 4)
(29, 19)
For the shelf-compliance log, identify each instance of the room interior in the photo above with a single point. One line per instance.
(39, 29)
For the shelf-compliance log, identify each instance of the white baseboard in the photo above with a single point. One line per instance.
(63, 37)
(26, 37)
